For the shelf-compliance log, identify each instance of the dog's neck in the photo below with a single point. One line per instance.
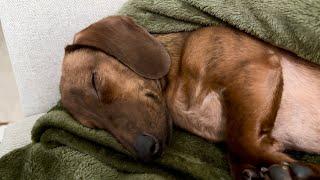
(192, 107)
(174, 44)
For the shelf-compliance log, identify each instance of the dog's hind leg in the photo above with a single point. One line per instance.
(252, 100)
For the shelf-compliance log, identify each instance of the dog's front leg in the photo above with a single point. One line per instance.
(252, 100)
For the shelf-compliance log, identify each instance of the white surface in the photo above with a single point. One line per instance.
(36, 33)
(17, 135)
(10, 107)
(2, 132)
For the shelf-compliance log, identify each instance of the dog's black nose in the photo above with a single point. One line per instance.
(147, 147)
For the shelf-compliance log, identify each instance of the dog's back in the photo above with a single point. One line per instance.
(227, 85)
(200, 109)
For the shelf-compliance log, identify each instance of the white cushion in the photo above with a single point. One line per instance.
(2, 128)
(36, 33)
(17, 134)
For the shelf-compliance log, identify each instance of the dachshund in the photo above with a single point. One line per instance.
(216, 82)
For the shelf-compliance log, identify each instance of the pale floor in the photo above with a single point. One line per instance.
(10, 108)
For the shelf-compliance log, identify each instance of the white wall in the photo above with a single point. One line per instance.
(10, 108)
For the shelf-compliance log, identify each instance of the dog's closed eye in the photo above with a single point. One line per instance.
(152, 95)
(93, 82)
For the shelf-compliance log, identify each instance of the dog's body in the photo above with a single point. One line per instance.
(218, 63)
(222, 85)
(199, 81)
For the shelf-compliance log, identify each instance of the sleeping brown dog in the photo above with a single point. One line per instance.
(216, 82)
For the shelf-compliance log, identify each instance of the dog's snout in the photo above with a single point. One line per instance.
(147, 147)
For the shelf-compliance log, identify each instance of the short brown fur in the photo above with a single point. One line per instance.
(223, 85)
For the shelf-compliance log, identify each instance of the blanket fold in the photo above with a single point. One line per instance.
(292, 25)
(64, 149)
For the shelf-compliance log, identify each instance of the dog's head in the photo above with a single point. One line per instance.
(112, 79)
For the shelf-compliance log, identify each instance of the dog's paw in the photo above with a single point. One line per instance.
(288, 172)
(279, 172)
(252, 174)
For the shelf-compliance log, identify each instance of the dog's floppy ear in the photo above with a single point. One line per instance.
(122, 38)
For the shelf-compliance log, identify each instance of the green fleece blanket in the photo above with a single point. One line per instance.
(290, 24)
(64, 149)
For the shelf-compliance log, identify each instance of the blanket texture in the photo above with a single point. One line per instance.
(64, 149)
(292, 25)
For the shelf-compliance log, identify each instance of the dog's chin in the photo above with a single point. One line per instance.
(145, 159)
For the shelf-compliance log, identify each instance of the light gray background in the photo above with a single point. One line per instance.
(36, 33)
(10, 108)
